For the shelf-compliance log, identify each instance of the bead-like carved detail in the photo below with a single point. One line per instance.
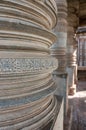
(27, 65)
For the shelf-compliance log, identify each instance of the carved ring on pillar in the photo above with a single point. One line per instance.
(26, 85)
(58, 49)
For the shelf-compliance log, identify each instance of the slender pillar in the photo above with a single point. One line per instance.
(81, 49)
(76, 61)
(81, 36)
(71, 45)
(26, 85)
(58, 50)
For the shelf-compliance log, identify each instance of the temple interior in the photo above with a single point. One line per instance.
(42, 64)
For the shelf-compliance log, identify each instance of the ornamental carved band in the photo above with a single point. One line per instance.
(30, 65)
(26, 85)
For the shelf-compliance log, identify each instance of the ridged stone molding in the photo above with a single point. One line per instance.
(73, 22)
(26, 85)
(58, 49)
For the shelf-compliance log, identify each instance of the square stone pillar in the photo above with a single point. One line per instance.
(62, 88)
(71, 83)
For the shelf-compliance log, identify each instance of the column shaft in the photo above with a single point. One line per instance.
(73, 21)
(26, 85)
(58, 50)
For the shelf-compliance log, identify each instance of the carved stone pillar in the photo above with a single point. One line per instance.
(71, 44)
(81, 36)
(58, 50)
(26, 85)
(75, 54)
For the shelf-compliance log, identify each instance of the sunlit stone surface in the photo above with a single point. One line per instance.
(26, 85)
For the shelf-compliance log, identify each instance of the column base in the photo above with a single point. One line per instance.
(57, 122)
(72, 90)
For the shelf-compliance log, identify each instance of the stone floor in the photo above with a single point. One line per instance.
(78, 103)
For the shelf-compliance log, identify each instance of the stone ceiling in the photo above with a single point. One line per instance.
(80, 10)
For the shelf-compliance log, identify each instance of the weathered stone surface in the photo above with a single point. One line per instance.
(73, 22)
(62, 88)
(81, 48)
(60, 118)
(58, 49)
(26, 85)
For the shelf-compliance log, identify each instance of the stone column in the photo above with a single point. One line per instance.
(58, 50)
(81, 47)
(81, 36)
(76, 61)
(26, 85)
(71, 44)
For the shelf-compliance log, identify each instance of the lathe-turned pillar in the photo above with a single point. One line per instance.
(26, 85)
(58, 49)
(71, 45)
